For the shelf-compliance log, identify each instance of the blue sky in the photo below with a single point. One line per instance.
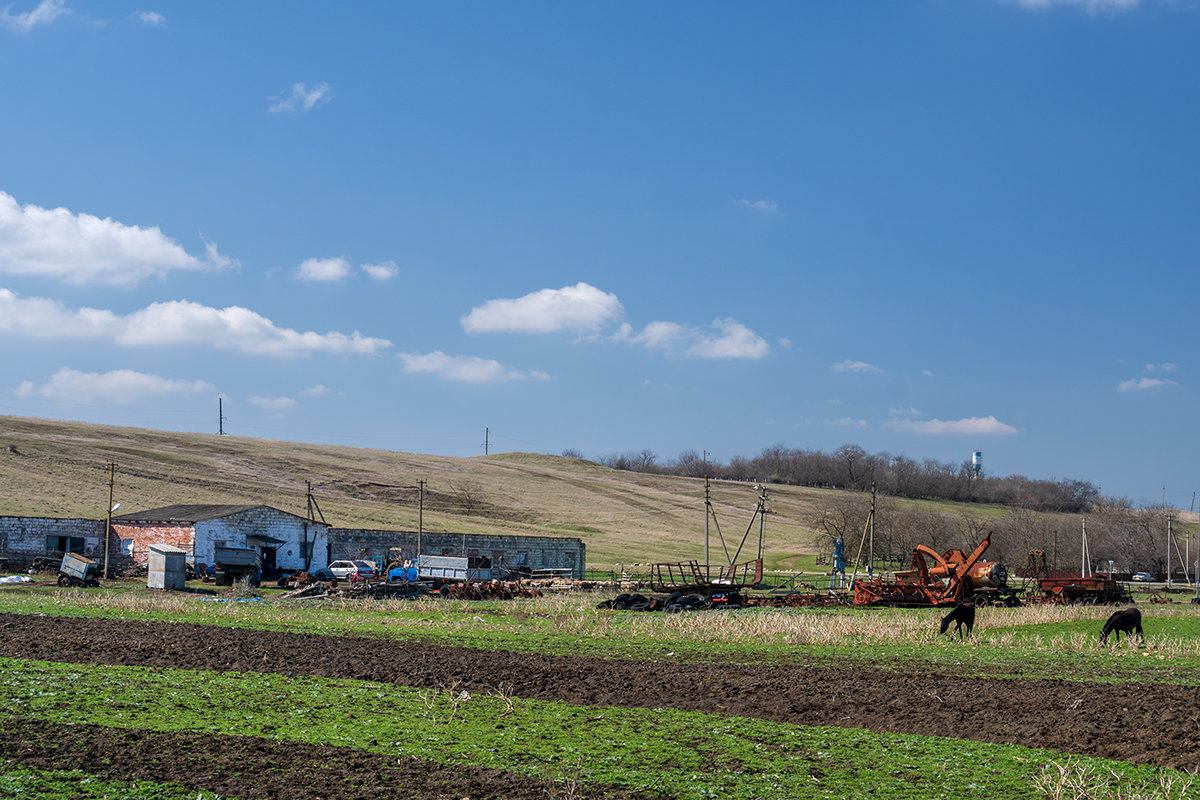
(924, 227)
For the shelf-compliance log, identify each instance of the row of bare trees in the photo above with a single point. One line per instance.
(1134, 540)
(852, 468)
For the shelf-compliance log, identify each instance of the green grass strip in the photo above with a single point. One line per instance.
(18, 781)
(684, 754)
(572, 626)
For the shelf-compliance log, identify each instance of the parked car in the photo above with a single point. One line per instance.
(1142, 576)
(350, 571)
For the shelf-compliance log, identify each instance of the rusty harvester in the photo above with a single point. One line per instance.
(952, 576)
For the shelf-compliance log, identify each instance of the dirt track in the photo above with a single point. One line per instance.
(1153, 724)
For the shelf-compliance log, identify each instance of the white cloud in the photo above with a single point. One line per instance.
(762, 206)
(1092, 6)
(82, 248)
(43, 14)
(323, 269)
(119, 386)
(466, 369)
(300, 98)
(318, 390)
(850, 422)
(272, 403)
(175, 322)
(1144, 384)
(1165, 367)
(859, 367)
(25, 389)
(336, 269)
(731, 340)
(656, 336)
(383, 271)
(975, 426)
(578, 307)
(151, 19)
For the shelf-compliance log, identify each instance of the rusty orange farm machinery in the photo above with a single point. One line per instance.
(941, 579)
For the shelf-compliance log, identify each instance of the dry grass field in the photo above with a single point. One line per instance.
(57, 469)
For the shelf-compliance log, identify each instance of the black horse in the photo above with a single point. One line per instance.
(1128, 620)
(963, 614)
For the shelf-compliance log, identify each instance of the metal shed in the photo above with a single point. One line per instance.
(167, 570)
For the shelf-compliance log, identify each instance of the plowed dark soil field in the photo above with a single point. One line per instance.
(1141, 723)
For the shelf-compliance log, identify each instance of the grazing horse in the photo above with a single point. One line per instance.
(962, 614)
(1127, 620)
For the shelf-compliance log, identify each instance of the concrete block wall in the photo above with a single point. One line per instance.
(535, 552)
(25, 538)
(265, 521)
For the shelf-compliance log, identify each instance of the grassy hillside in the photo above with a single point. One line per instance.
(58, 469)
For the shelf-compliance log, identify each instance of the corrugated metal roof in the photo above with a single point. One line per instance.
(184, 512)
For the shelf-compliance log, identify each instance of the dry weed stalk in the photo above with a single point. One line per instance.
(1075, 780)
(451, 695)
(504, 693)
(564, 784)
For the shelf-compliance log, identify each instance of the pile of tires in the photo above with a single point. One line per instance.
(633, 602)
(677, 603)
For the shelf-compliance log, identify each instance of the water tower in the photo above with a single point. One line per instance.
(976, 463)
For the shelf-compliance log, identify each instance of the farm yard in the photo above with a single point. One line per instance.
(125, 693)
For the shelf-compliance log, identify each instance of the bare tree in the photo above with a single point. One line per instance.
(841, 518)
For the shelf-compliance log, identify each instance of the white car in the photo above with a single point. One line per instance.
(352, 570)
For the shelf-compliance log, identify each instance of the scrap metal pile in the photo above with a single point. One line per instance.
(306, 587)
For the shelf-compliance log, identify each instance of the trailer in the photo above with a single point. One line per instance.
(453, 569)
(76, 570)
(235, 563)
(692, 577)
(1090, 590)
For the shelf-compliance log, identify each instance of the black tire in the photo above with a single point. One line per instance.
(63, 580)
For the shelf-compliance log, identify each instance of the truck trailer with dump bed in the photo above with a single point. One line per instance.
(234, 563)
(442, 569)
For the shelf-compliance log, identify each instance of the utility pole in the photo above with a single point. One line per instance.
(220, 417)
(1169, 535)
(1085, 555)
(707, 505)
(312, 504)
(487, 435)
(420, 514)
(762, 516)
(871, 547)
(1187, 540)
(108, 520)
